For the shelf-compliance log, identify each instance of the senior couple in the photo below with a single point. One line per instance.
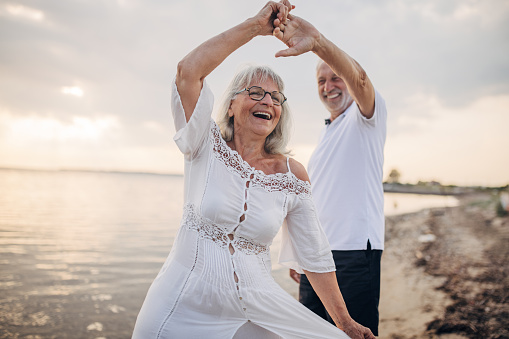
(241, 188)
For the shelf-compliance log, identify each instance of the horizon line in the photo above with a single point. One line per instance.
(89, 170)
(117, 171)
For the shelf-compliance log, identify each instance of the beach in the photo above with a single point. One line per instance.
(445, 273)
(79, 251)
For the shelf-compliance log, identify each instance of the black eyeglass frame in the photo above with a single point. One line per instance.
(264, 94)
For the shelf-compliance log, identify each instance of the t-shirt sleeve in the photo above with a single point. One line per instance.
(191, 135)
(304, 245)
(379, 117)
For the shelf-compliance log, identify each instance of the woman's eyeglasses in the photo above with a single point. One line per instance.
(257, 93)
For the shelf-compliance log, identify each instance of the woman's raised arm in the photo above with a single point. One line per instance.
(200, 62)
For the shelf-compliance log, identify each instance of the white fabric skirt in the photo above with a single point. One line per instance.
(205, 291)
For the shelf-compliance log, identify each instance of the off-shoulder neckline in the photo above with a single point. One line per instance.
(245, 164)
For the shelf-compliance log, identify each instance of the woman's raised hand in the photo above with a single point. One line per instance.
(273, 14)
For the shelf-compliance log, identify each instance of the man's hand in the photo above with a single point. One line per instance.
(298, 34)
(295, 276)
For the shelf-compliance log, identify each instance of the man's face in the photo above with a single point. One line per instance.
(332, 90)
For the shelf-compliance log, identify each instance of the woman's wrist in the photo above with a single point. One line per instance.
(342, 319)
(254, 27)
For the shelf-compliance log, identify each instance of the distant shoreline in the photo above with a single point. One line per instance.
(429, 188)
(81, 170)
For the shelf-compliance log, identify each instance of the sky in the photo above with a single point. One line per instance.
(86, 84)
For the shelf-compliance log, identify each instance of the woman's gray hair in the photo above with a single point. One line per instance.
(277, 141)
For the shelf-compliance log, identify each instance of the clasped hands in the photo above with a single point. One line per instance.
(299, 35)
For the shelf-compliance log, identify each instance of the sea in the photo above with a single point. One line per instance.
(79, 249)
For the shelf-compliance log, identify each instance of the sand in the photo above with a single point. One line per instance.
(445, 273)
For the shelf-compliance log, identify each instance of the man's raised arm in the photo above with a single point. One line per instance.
(300, 36)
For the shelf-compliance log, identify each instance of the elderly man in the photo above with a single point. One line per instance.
(346, 172)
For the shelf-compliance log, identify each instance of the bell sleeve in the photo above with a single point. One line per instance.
(191, 135)
(304, 245)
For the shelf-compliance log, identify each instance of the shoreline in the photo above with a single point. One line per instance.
(445, 273)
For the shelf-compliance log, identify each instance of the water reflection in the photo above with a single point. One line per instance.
(400, 203)
(76, 248)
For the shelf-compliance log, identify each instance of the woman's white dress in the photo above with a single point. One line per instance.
(212, 286)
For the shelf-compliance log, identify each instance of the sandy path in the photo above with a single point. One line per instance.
(458, 282)
(409, 296)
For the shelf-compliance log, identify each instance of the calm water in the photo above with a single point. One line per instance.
(400, 203)
(78, 250)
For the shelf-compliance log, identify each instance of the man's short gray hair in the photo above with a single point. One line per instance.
(319, 64)
(277, 141)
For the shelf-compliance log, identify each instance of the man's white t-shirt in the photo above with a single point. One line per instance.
(346, 172)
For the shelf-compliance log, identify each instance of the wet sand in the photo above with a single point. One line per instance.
(444, 275)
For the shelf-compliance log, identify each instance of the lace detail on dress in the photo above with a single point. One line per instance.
(249, 247)
(193, 221)
(282, 182)
(233, 161)
(279, 182)
(219, 235)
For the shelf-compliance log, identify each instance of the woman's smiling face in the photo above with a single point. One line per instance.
(259, 117)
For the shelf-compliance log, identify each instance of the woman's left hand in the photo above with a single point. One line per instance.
(357, 331)
(273, 14)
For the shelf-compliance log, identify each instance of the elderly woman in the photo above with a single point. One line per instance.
(239, 189)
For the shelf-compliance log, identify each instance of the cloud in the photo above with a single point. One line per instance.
(33, 129)
(22, 12)
(454, 145)
(123, 55)
(445, 49)
(130, 49)
(76, 91)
